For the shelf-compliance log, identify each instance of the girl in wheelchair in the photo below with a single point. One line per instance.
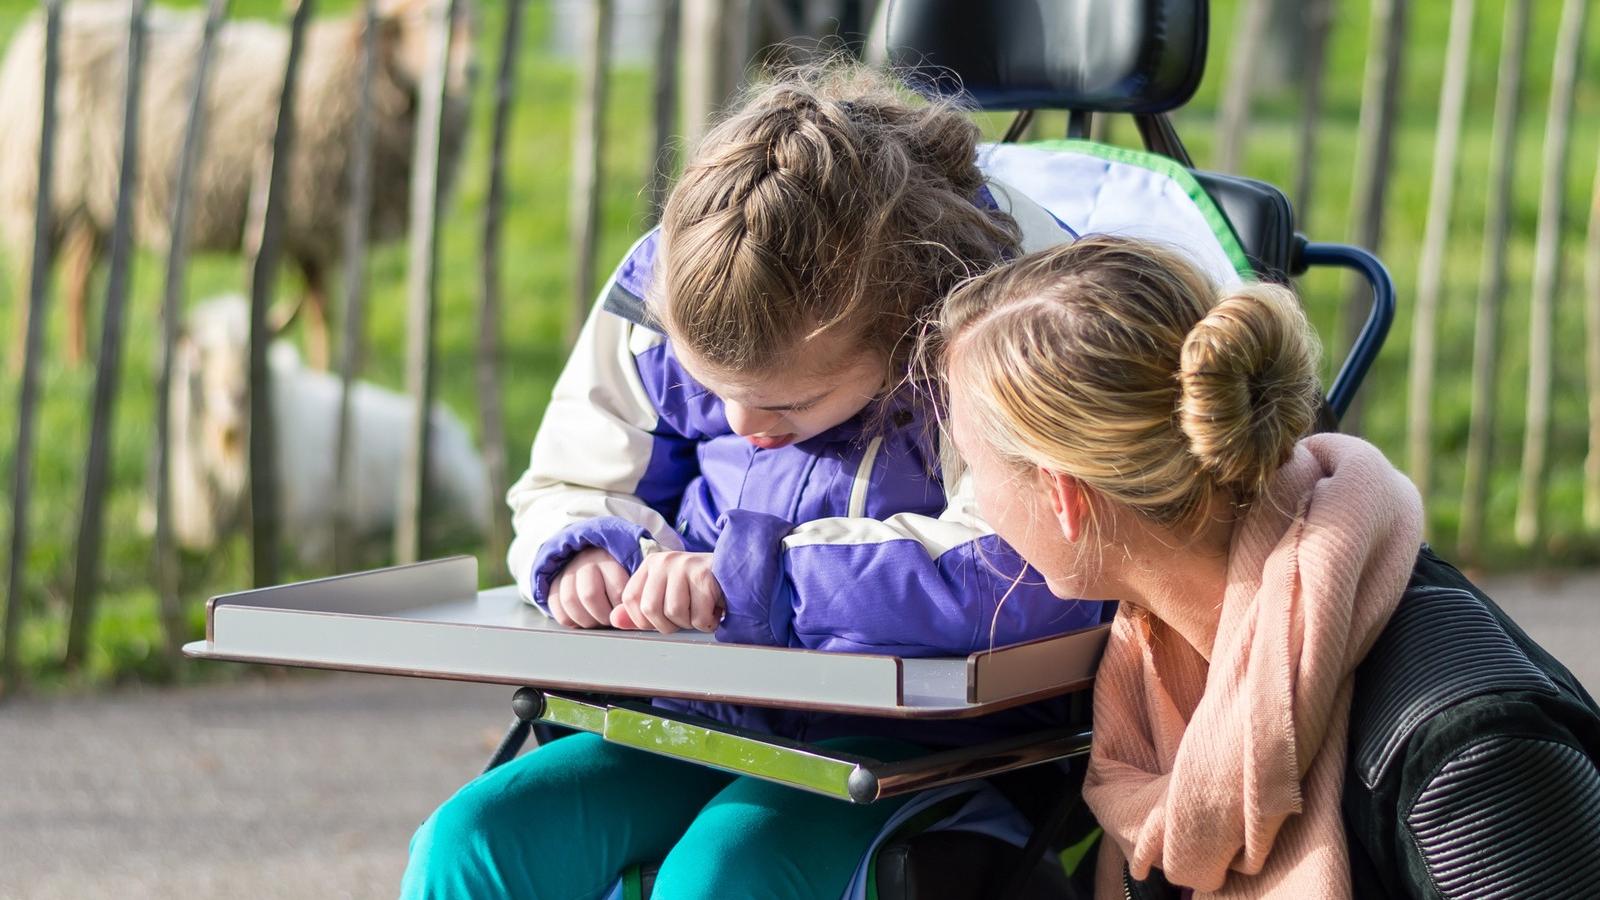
(1295, 701)
(729, 449)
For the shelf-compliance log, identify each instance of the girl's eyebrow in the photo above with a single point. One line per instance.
(801, 404)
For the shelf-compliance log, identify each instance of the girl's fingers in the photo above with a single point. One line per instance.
(632, 593)
(570, 602)
(677, 601)
(652, 600)
(708, 599)
(620, 619)
(615, 578)
(592, 594)
(626, 593)
(707, 605)
(560, 595)
(557, 605)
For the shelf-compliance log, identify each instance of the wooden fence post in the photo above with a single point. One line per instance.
(421, 286)
(1380, 94)
(108, 371)
(703, 61)
(166, 561)
(588, 133)
(1547, 270)
(1492, 279)
(665, 107)
(1435, 243)
(1317, 22)
(358, 215)
(820, 18)
(268, 247)
(1101, 129)
(875, 50)
(490, 415)
(740, 19)
(33, 345)
(1233, 119)
(1591, 321)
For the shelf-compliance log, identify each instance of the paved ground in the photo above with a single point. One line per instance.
(310, 787)
(295, 788)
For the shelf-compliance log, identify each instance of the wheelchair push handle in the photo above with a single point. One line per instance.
(1310, 254)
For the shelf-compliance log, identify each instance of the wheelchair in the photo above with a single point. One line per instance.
(1142, 58)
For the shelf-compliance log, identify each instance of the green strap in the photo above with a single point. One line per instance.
(1220, 226)
(1072, 857)
(633, 883)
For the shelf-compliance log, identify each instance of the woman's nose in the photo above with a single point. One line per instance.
(746, 421)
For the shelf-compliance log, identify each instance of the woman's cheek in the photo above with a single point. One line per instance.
(1023, 521)
(999, 508)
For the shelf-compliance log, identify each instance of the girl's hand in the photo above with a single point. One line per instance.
(671, 590)
(587, 588)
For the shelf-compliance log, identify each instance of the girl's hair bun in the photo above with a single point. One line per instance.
(1249, 387)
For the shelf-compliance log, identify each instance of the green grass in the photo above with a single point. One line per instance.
(537, 301)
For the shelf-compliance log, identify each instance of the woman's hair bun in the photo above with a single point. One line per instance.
(1248, 374)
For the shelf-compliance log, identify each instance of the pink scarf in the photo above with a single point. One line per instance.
(1223, 765)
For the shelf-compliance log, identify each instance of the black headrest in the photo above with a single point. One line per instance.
(1125, 56)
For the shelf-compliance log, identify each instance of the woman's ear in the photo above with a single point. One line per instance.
(1070, 502)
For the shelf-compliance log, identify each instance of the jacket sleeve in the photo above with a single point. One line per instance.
(1513, 813)
(909, 585)
(606, 469)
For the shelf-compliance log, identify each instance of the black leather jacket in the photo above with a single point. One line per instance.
(1473, 757)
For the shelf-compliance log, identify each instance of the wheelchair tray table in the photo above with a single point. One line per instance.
(429, 620)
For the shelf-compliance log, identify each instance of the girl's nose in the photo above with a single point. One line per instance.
(746, 421)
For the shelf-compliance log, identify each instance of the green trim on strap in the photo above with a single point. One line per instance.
(633, 882)
(1220, 226)
(1072, 857)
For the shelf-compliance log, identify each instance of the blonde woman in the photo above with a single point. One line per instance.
(1298, 699)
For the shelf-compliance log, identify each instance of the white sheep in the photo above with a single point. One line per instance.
(241, 112)
(209, 429)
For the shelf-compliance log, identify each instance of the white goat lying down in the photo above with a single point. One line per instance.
(208, 464)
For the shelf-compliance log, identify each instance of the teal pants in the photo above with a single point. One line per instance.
(564, 821)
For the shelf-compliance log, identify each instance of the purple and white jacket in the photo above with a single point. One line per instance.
(850, 541)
